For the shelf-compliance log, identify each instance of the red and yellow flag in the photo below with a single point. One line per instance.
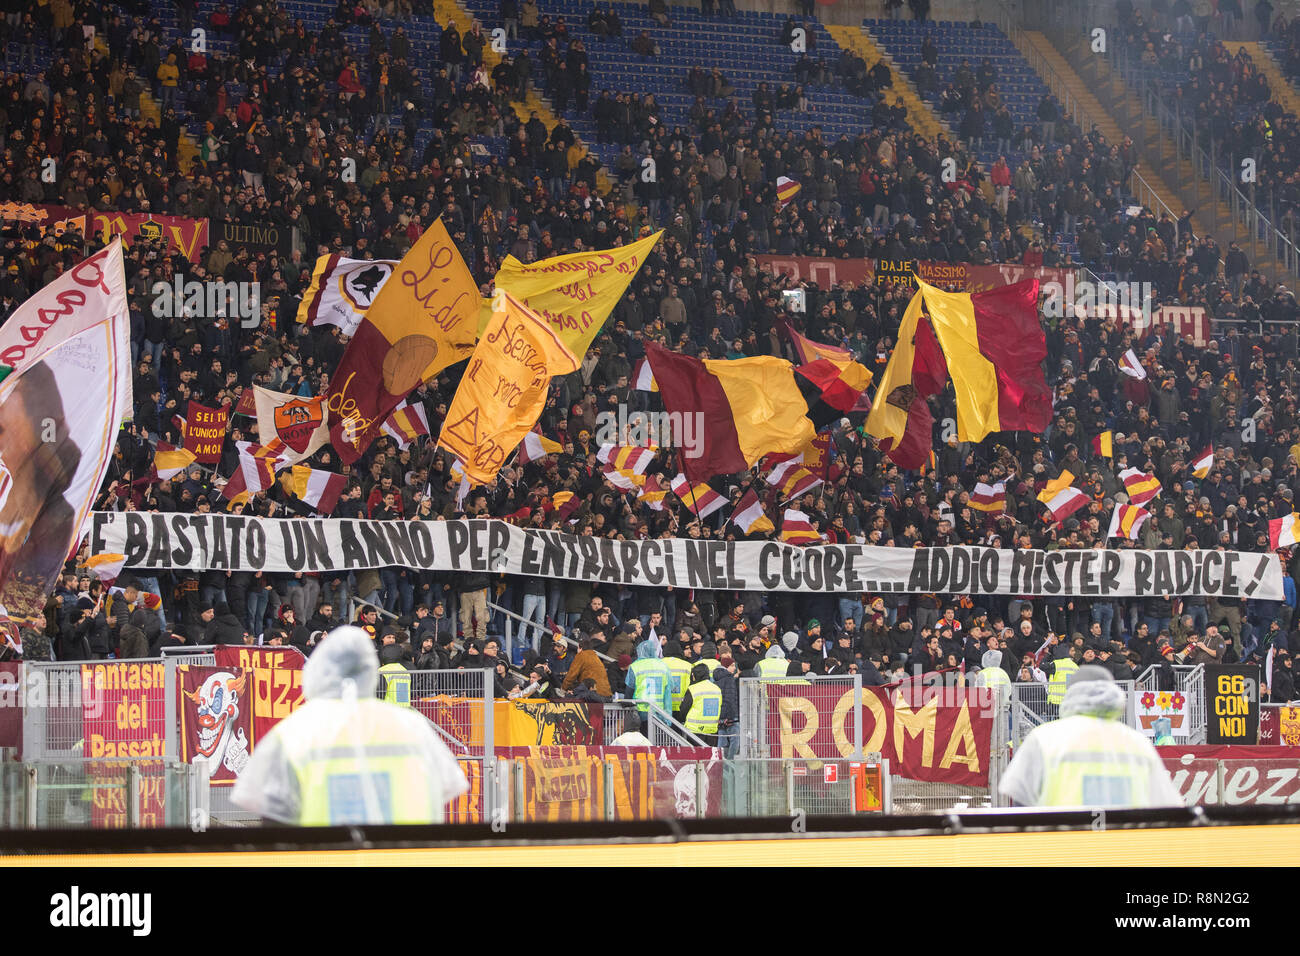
(994, 347)
(421, 322)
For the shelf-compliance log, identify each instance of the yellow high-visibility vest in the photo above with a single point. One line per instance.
(679, 678)
(1094, 762)
(1060, 677)
(706, 708)
(389, 782)
(397, 684)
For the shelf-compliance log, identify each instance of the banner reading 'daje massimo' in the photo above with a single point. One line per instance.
(239, 543)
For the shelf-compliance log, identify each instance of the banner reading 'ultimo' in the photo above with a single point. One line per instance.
(196, 542)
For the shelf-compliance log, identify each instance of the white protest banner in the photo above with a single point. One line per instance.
(160, 541)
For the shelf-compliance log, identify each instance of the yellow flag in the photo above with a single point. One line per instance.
(423, 320)
(574, 294)
(504, 389)
(888, 419)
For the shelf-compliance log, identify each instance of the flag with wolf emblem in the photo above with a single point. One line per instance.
(341, 291)
(291, 426)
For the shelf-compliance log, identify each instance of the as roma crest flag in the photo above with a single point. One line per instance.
(422, 321)
(504, 389)
(291, 426)
(216, 707)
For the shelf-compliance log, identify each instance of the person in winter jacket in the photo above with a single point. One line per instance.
(561, 658)
(229, 629)
(729, 721)
(586, 664)
(134, 644)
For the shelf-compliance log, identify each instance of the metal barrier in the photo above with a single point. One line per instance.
(755, 734)
(98, 794)
(909, 795)
(788, 788)
(459, 704)
(1189, 680)
(622, 716)
(65, 715)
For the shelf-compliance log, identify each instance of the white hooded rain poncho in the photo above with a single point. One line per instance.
(343, 727)
(1090, 737)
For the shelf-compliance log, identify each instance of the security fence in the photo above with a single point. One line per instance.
(459, 704)
(100, 794)
(757, 731)
(1031, 707)
(776, 787)
(1189, 680)
(624, 716)
(99, 710)
(833, 710)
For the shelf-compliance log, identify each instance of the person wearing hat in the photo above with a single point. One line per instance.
(701, 708)
(561, 657)
(1089, 757)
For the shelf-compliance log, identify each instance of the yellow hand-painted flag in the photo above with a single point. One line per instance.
(421, 322)
(574, 294)
(503, 391)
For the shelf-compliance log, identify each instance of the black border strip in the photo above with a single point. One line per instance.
(290, 839)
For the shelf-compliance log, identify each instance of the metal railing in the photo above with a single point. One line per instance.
(1137, 186)
(461, 705)
(771, 787)
(100, 794)
(1195, 157)
(755, 734)
(622, 716)
(1189, 680)
(525, 626)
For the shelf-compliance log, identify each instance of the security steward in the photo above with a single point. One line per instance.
(679, 672)
(701, 706)
(344, 756)
(397, 684)
(1089, 757)
(1063, 669)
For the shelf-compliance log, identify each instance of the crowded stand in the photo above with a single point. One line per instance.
(357, 127)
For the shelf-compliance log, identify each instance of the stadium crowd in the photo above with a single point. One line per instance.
(276, 156)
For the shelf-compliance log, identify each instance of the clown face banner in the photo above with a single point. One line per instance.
(216, 719)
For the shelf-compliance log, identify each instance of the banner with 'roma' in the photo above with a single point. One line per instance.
(932, 734)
